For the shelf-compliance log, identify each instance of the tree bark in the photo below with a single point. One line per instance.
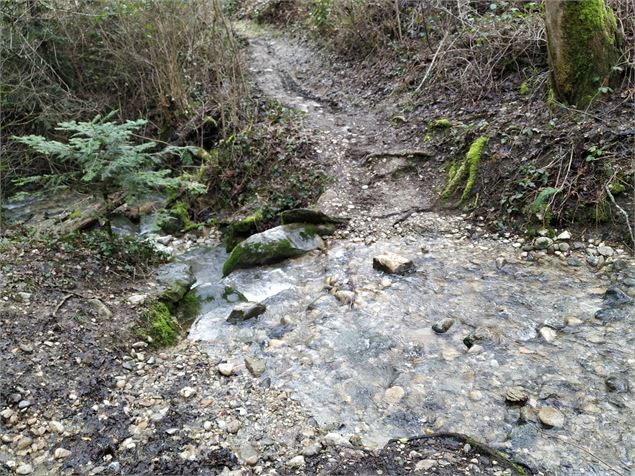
(584, 45)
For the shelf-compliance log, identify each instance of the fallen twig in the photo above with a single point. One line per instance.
(624, 214)
(61, 303)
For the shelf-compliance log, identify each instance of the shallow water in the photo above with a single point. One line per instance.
(377, 369)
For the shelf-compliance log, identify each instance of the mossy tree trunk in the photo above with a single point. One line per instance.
(583, 42)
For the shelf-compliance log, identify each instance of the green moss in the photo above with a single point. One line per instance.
(235, 232)
(259, 253)
(465, 170)
(440, 124)
(588, 51)
(189, 307)
(617, 187)
(473, 158)
(524, 88)
(159, 325)
(75, 214)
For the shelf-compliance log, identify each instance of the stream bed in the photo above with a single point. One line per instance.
(375, 368)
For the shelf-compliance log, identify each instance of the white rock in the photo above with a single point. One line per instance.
(56, 426)
(226, 369)
(548, 334)
(61, 453)
(137, 298)
(296, 462)
(24, 469)
(565, 235)
(392, 263)
(187, 392)
(336, 439)
(550, 416)
(393, 395)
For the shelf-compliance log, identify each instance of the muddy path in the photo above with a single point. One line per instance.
(376, 176)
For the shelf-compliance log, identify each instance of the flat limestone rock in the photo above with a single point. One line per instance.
(392, 263)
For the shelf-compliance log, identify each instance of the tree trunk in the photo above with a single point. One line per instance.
(583, 43)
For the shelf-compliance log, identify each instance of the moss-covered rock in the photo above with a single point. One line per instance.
(159, 326)
(234, 232)
(307, 215)
(174, 281)
(274, 245)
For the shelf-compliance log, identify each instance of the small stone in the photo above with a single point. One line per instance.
(442, 326)
(543, 242)
(565, 235)
(187, 392)
(26, 348)
(551, 417)
(100, 308)
(425, 465)
(605, 251)
(574, 262)
(548, 333)
(516, 395)
(392, 263)
(24, 443)
(296, 462)
(233, 427)
(336, 439)
(249, 454)
(6, 413)
(616, 384)
(24, 469)
(256, 367)
(564, 247)
(345, 297)
(24, 404)
(500, 262)
(137, 299)
(393, 395)
(225, 369)
(245, 311)
(572, 321)
(61, 453)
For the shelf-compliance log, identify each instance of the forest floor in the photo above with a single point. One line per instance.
(83, 395)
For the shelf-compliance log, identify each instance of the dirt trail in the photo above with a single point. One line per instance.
(373, 181)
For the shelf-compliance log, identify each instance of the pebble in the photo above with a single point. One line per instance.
(393, 395)
(256, 367)
(551, 417)
(548, 334)
(516, 394)
(24, 404)
(605, 251)
(336, 439)
(543, 242)
(24, 469)
(392, 263)
(442, 326)
(296, 462)
(249, 454)
(23, 443)
(187, 392)
(61, 453)
(226, 369)
(565, 235)
(425, 465)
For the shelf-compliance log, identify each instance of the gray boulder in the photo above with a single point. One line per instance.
(273, 246)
